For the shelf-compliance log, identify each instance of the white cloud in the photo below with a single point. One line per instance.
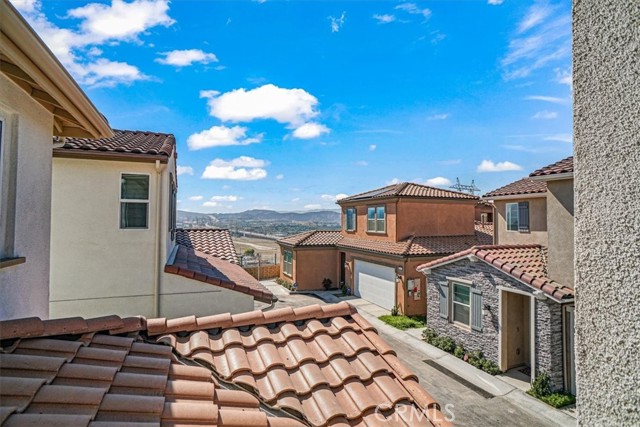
(313, 206)
(384, 19)
(210, 204)
(564, 77)
(373, 147)
(543, 98)
(279, 176)
(443, 116)
(219, 136)
(290, 106)
(196, 198)
(242, 168)
(295, 199)
(393, 181)
(184, 58)
(337, 23)
(413, 9)
(184, 170)
(495, 2)
(310, 130)
(224, 199)
(333, 198)
(545, 115)
(489, 166)
(562, 137)
(439, 181)
(99, 24)
(362, 163)
(542, 36)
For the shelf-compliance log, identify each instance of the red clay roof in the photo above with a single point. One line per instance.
(522, 186)
(211, 241)
(124, 142)
(96, 375)
(562, 166)
(319, 366)
(423, 245)
(527, 263)
(313, 238)
(324, 364)
(408, 189)
(196, 265)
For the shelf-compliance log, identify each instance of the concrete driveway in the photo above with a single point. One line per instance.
(468, 404)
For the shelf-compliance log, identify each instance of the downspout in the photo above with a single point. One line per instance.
(157, 262)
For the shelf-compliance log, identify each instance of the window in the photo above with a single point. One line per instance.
(461, 304)
(518, 217)
(287, 263)
(350, 219)
(376, 219)
(134, 201)
(172, 207)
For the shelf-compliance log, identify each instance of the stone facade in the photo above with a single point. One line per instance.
(548, 316)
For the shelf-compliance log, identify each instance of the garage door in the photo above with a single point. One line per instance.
(375, 283)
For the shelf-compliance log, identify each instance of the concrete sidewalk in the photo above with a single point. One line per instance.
(480, 379)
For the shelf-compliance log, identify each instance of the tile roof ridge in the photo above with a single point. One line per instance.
(509, 246)
(439, 189)
(163, 325)
(31, 327)
(386, 187)
(407, 247)
(147, 132)
(202, 229)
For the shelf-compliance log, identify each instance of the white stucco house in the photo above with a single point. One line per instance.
(39, 100)
(115, 246)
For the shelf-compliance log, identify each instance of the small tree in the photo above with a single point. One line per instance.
(250, 252)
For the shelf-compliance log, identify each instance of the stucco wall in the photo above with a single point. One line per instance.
(91, 256)
(537, 223)
(24, 288)
(606, 52)
(312, 265)
(560, 224)
(361, 220)
(435, 218)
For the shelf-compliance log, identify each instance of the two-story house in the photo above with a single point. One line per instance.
(38, 100)
(386, 233)
(514, 300)
(115, 245)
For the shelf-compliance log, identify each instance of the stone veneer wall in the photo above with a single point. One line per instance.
(549, 354)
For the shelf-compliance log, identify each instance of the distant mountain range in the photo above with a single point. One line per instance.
(321, 216)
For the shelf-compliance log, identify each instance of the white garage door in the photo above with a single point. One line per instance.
(375, 283)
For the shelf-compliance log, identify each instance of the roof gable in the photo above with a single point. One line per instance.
(522, 186)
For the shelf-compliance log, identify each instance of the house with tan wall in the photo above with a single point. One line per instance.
(514, 300)
(115, 245)
(386, 233)
(39, 100)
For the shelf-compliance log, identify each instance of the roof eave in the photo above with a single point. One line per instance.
(516, 196)
(71, 153)
(22, 46)
(552, 177)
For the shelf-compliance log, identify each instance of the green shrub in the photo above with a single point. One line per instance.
(285, 283)
(429, 335)
(403, 322)
(558, 400)
(459, 351)
(490, 367)
(445, 343)
(541, 386)
(395, 311)
(474, 358)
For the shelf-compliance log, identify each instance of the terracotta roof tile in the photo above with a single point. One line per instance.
(212, 241)
(47, 389)
(408, 189)
(313, 238)
(197, 265)
(562, 166)
(324, 363)
(522, 186)
(124, 141)
(527, 263)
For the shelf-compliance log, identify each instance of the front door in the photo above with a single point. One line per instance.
(516, 327)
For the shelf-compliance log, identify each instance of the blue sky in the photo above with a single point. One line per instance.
(287, 105)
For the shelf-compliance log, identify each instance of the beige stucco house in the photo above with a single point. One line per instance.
(39, 100)
(115, 246)
(514, 300)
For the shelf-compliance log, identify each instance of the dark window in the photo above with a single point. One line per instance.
(350, 219)
(134, 201)
(518, 216)
(287, 263)
(376, 219)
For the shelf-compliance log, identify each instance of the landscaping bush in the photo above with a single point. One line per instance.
(459, 351)
(474, 358)
(403, 322)
(395, 310)
(541, 389)
(285, 283)
(445, 343)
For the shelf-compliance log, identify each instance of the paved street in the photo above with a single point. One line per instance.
(469, 405)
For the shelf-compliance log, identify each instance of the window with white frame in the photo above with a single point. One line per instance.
(287, 263)
(461, 301)
(376, 219)
(517, 216)
(350, 219)
(134, 201)
(173, 191)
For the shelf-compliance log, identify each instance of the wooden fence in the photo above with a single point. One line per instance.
(264, 272)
